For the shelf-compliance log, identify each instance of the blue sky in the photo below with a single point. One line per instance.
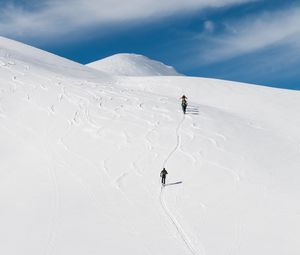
(255, 41)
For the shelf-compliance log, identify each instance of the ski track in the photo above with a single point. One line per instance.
(177, 142)
(57, 211)
(172, 218)
(50, 246)
(178, 227)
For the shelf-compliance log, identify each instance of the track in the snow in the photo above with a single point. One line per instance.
(172, 218)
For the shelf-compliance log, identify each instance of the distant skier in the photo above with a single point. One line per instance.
(184, 103)
(163, 175)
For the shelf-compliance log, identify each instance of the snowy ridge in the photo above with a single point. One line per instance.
(13, 51)
(133, 65)
(81, 152)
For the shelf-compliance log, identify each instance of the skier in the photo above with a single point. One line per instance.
(163, 174)
(183, 103)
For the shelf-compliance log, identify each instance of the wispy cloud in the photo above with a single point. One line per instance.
(209, 26)
(255, 33)
(56, 17)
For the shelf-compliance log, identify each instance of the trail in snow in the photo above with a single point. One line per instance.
(50, 247)
(177, 142)
(56, 214)
(177, 225)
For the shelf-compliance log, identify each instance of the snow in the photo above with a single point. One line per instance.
(81, 152)
(133, 65)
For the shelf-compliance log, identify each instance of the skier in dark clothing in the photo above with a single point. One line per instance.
(163, 174)
(184, 106)
(184, 103)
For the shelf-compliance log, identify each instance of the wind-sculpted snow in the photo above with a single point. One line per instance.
(81, 154)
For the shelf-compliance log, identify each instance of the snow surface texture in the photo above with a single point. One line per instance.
(133, 65)
(81, 154)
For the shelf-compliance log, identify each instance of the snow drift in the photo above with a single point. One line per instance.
(133, 65)
(81, 153)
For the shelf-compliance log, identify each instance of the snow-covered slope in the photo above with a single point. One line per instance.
(133, 65)
(81, 152)
(12, 52)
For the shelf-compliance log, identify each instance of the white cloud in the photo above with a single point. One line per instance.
(256, 33)
(209, 26)
(56, 17)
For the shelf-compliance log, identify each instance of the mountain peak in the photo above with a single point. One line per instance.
(125, 64)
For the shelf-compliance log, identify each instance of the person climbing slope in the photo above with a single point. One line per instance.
(163, 175)
(184, 103)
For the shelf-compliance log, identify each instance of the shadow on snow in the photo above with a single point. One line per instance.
(192, 110)
(173, 183)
